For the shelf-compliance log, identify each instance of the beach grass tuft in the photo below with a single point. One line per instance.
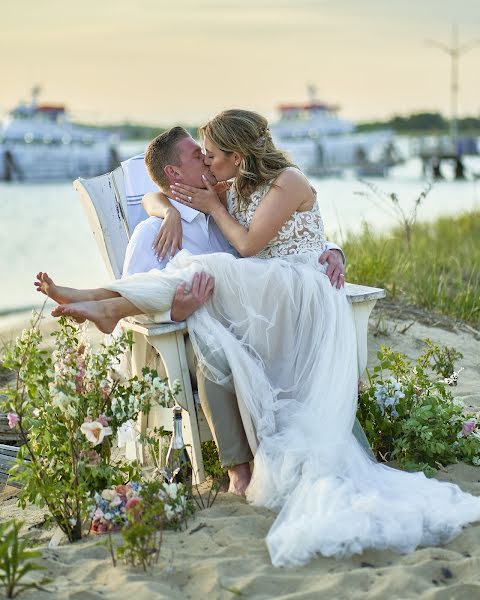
(438, 269)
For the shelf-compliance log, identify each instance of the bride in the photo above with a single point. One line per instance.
(276, 328)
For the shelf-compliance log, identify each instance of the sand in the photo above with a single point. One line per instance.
(222, 553)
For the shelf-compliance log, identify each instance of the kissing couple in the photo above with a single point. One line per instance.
(270, 327)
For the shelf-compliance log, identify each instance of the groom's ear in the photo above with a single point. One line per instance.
(172, 172)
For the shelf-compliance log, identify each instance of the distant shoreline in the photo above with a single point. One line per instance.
(15, 310)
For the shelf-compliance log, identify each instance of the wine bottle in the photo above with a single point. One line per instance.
(178, 466)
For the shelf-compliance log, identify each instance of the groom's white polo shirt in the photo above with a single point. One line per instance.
(200, 232)
(200, 235)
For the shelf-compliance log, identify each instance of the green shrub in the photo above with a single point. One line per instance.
(16, 560)
(439, 268)
(67, 405)
(409, 414)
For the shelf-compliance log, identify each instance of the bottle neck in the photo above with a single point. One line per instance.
(177, 441)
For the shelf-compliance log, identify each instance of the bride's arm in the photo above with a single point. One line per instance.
(290, 192)
(169, 237)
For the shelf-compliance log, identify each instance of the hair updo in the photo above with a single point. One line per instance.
(247, 133)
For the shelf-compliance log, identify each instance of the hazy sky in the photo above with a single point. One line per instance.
(184, 60)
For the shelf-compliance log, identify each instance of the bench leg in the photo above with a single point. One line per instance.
(361, 314)
(171, 348)
(135, 450)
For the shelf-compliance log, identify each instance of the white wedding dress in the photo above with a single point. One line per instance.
(277, 328)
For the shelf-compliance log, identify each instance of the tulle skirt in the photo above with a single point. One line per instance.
(279, 334)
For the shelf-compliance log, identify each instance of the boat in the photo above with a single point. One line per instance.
(39, 142)
(320, 143)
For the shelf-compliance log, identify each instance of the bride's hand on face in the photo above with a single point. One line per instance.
(204, 200)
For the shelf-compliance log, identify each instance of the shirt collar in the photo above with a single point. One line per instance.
(186, 213)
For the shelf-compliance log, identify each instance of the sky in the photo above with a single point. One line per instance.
(168, 61)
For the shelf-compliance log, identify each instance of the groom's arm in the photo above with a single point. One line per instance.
(338, 251)
(140, 257)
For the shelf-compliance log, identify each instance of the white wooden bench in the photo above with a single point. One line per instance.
(104, 201)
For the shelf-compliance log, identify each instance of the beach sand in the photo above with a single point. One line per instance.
(222, 553)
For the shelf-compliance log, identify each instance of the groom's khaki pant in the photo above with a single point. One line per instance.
(220, 408)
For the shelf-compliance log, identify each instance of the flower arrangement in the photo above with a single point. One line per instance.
(410, 415)
(141, 511)
(67, 405)
(111, 507)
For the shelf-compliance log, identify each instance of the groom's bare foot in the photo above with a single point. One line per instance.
(96, 311)
(240, 476)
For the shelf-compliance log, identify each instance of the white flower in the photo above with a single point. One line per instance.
(169, 512)
(171, 489)
(109, 494)
(116, 501)
(95, 432)
(72, 521)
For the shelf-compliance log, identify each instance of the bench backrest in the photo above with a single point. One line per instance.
(104, 201)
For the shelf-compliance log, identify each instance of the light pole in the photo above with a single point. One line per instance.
(455, 51)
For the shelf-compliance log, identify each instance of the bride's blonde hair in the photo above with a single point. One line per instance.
(247, 133)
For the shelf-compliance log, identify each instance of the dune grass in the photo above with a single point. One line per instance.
(435, 265)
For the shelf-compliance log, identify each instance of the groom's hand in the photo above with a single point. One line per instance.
(335, 269)
(186, 303)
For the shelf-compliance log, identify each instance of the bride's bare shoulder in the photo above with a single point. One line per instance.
(292, 177)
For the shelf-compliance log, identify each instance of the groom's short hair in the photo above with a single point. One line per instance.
(162, 151)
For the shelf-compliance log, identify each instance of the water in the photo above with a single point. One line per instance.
(43, 228)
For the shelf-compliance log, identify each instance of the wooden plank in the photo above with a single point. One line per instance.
(7, 434)
(363, 293)
(8, 454)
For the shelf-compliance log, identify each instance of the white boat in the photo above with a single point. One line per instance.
(40, 143)
(321, 143)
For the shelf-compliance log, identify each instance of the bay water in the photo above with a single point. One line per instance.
(43, 226)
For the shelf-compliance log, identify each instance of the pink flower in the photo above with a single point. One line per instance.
(132, 502)
(103, 420)
(105, 389)
(13, 419)
(80, 381)
(134, 507)
(468, 426)
(91, 457)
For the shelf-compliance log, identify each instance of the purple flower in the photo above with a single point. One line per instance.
(468, 426)
(13, 419)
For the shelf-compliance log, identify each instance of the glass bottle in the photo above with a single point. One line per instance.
(178, 466)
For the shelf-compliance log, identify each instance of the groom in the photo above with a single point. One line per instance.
(174, 156)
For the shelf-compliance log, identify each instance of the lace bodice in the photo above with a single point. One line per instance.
(302, 233)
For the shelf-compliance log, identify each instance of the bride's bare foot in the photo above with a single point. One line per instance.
(46, 285)
(96, 311)
(240, 476)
